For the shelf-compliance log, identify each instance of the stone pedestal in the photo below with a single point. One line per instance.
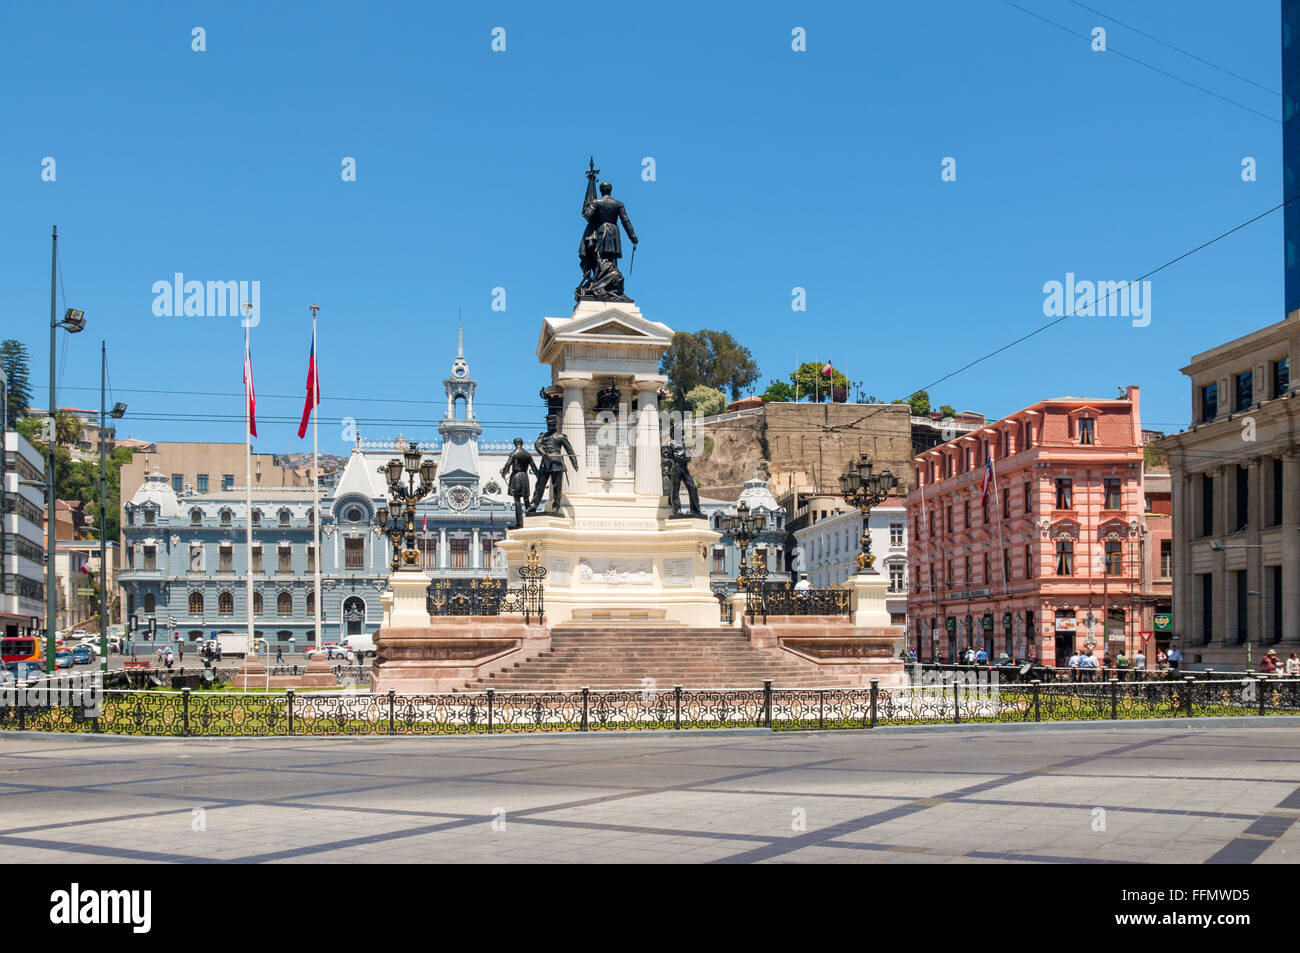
(252, 673)
(405, 602)
(445, 653)
(867, 599)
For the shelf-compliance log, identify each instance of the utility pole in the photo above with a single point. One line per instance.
(51, 516)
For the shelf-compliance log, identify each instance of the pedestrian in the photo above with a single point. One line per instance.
(1268, 664)
(279, 655)
(1139, 661)
(1175, 658)
(981, 657)
(217, 648)
(1293, 665)
(1088, 666)
(180, 651)
(1074, 665)
(802, 587)
(1122, 664)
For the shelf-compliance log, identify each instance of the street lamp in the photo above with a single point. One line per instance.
(73, 321)
(862, 487)
(742, 527)
(397, 521)
(119, 409)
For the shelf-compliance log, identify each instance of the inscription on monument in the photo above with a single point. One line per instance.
(678, 572)
(561, 571)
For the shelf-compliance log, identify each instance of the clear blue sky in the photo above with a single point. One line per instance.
(775, 169)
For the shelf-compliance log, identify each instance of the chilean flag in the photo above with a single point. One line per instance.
(248, 390)
(313, 391)
(827, 370)
(988, 480)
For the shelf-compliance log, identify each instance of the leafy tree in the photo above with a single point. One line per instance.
(33, 428)
(707, 400)
(813, 385)
(712, 358)
(67, 428)
(919, 402)
(778, 392)
(948, 410)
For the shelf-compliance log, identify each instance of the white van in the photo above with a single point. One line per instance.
(360, 645)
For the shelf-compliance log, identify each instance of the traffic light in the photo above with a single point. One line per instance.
(153, 627)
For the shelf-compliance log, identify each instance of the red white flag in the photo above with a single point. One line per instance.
(248, 390)
(988, 480)
(424, 527)
(313, 392)
(827, 370)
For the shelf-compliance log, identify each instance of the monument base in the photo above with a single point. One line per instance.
(445, 652)
(618, 558)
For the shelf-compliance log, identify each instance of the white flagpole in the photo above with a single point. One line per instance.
(315, 477)
(251, 647)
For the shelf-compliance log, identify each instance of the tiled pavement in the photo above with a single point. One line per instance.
(1181, 795)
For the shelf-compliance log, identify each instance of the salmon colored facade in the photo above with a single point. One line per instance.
(1065, 549)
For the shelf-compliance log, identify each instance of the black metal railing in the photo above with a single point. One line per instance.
(785, 600)
(955, 700)
(488, 596)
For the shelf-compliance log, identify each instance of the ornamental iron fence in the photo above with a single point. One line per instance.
(785, 600)
(217, 714)
(489, 596)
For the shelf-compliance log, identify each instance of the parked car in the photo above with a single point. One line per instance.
(361, 645)
(82, 655)
(330, 651)
(24, 671)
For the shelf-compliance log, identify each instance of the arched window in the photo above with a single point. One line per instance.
(257, 603)
(149, 603)
(196, 516)
(284, 517)
(196, 603)
(354, 614)
(311, 516)
(311, 603)
(225, 604)
(226, 517)
(284, 604)
(257, 517)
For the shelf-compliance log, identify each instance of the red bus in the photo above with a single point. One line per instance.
(24, 648)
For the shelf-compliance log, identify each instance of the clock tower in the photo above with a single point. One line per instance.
(460, 429)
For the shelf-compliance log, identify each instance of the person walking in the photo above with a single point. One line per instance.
(1139, 662)
(1268, 664)
(279, 655)
(1175, 658)
(1293, 665)
(180, 652)
(1074, 665)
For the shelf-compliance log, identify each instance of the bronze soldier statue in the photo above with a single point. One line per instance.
(676, 459)
(519, 463)
(602, 246)
(552, 447)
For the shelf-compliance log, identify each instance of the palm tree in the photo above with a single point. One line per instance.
(67, 429)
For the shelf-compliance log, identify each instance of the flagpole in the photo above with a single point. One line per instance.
(315, 478)
(250, 649)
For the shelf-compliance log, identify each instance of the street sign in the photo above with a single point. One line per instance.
(1146, 634)
(1163, 622)
(85, 591)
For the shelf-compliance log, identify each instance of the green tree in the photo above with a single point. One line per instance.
(919, 402)
(947, 410)
(712, 358)
(33, 428)
(67, 428)
(17, 366)
(779, 392)
(707, 400)
(813, 385)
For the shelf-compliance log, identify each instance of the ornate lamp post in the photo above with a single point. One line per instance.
(862, 487)
(397, 521)
(743, 527)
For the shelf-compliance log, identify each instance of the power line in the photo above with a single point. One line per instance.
(1134, 59)
(1177, 49)
(1053, 323)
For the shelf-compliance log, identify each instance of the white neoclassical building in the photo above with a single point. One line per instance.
(826, 552)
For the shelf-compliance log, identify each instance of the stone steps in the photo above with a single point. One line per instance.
(620, 657)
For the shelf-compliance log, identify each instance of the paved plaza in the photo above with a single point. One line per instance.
(1119, 794)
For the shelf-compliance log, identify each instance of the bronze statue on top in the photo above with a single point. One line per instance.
(519, 463)
(676, 467)
(552, 446)
(602, 245)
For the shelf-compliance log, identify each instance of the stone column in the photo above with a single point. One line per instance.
(1290, 594)
(1224, 523)
(475, 551)
(1255, 506)
(442, 548)
(649, 474)
(1183, 504)
(574, 426)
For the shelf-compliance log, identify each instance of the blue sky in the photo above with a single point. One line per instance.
(775, 169)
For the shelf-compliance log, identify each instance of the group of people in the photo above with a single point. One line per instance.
(1271, 664)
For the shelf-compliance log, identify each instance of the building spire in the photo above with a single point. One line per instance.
(460, 337)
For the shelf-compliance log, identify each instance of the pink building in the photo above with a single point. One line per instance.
(1063, 550)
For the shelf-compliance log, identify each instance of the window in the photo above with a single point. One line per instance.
(1207, 606)
(150, 558)
(257, 558)
(988, 576)
(202, 480)
(196, 603)
(1029, 434)
(1065, 557)
(257, 603)
(1245, 390)
(150, 515)
(1114, 557)
(150, 605)
(895, 578)
(965, 514)
(1029, 503)
(227, 558)
(1209, 401)
(226, 517)
(227, 481)
(968, 570)
(284, 604)
(459, 553)
(196, 557)
(1243, 497)
(311, 558)
(1029, 562)
(1275, 582)
(1243, 605)
(284, 517)
(257, 517)
(1281, 377)
(1166, 558)
(353, 514)
(951, 579)
(225, 604)
(895, 534)
(311, 603)
(1277, 491)
(930, 519)
(354, 553)
(196, 516)
(1112, 495)
(719, 560)
(1006, 504)
(1085, 430)
(1207, 504)
(284, 559)
(1006, 565)
(178, 482)
(1064, 493)
(949, 508)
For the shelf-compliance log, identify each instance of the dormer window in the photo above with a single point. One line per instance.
(1085, 431)
(150, 515)
(257, 517)
(196, 517)
(284, 517)
(226, 517)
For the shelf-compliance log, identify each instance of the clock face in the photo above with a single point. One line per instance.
(458, 498)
